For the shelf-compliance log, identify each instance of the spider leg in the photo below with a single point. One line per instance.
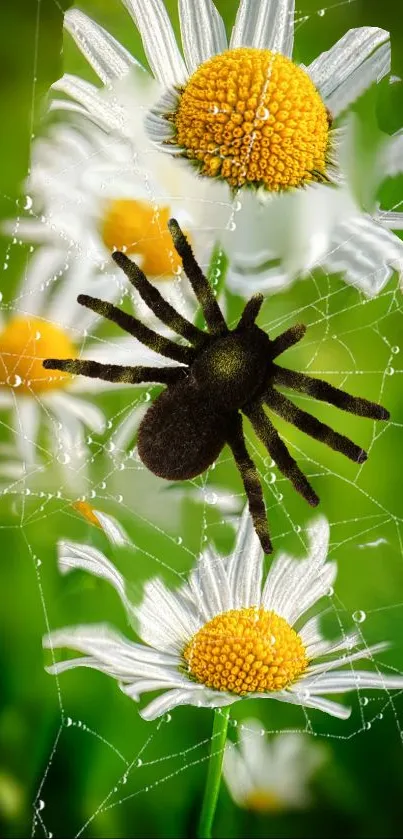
(134, 327)
(251, 482)
(251, 311)
(312, 426)
(327, 393)
(115, 372)
(157, 303)
(270, 437)
(200, 284)
(287, 339)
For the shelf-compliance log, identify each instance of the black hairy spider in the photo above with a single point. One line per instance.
(226, 372)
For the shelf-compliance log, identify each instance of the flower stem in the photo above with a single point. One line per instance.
(219, 736)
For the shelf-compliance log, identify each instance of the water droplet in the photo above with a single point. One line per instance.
(37, 336)
(272, 478)
(367, 726)
(110, 447)
(64, 458)
(146, 397)
(211, 498)
(232, 225)
(109, 424)
(364, 701)
(380, 716)
(262, 113)
(321, 12)
(119, 499)
(390, 371)
(297, 528)
(5, 266)
(1, 296)
(272, 639)
(214, 109)
(269, 462)
(40, 805)
(14, 380)
(139, 763)
(359, 616)
(237, 206)
(395, 350)
(102, 485)
(179, 540)
(330, 591)
(167, 717)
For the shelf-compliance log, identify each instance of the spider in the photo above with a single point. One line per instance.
(225, 373)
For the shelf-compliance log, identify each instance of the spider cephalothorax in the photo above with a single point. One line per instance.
(225, 373)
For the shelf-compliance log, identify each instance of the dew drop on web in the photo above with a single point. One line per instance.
(359, 616)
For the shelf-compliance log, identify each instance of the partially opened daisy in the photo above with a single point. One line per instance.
(38, 324)
(91, 193)
(226, 633)
(271, 775)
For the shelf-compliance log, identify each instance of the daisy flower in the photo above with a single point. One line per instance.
(90, 193)
(270, 776)
(41, 324)
(243, 114)
(226, 633)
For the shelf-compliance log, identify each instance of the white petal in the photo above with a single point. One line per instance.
(202, 30)
(318, 646)
(357, 60)
(159, 41)
(112, 528)
(391, 162)
(366, 253)
(389, 219)
(236, 774)
(298, 696)
(107, 57)
(347, 658)
(201, 697)
(103, 110)
(44, 265)
(347, 680)
(266, 25)
(245, 565)
(293, 586)
(28, 415)
(208, 588)
(86, 412)
(167, 620)
(73, 555)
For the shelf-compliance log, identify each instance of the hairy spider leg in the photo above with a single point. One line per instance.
(277, 449)
(251, 482)
(327, 393)
(251, 311)
(116, 372)
(157, 303)
(156, 342)
(312, 426)
(287, 339)
(200, 284)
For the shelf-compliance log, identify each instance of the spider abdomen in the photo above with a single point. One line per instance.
(232, 368)
(180, 436)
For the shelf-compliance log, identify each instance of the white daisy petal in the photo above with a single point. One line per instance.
(319, 703)
(357, 60)
(348, 658)
(107, 57)
(166, 620)
(392, 155)
(367, 252)
(89, 414)
(89, 97)
(202, 30)
(209, 588)
(198, 696)
(268, 25)
(72, 555)
(347, 680)
(389, 219)
(245, 567)
(113, 529)
(316, 646)
(27, 420)
(43, 266)
(159, 41)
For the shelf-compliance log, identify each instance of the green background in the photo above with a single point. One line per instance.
(75, 747)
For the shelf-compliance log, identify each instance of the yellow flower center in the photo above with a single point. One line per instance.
(246, 650)
(139, 229)
(263, 801)
(24, 344)
(253, 117)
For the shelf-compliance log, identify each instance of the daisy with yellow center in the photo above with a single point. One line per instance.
(50, 418)
(271, 776)
(226, 633)
(237, 113)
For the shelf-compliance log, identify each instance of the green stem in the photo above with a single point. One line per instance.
(219, 736)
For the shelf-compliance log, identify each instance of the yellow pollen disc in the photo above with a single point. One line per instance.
(263, 801)
(24, 344)
(87, 512)
(139, 229)
(252, 117)
(246, 650)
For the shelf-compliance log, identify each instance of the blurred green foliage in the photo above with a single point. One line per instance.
(76, 766)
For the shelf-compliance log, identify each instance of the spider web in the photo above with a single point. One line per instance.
(351, 342)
